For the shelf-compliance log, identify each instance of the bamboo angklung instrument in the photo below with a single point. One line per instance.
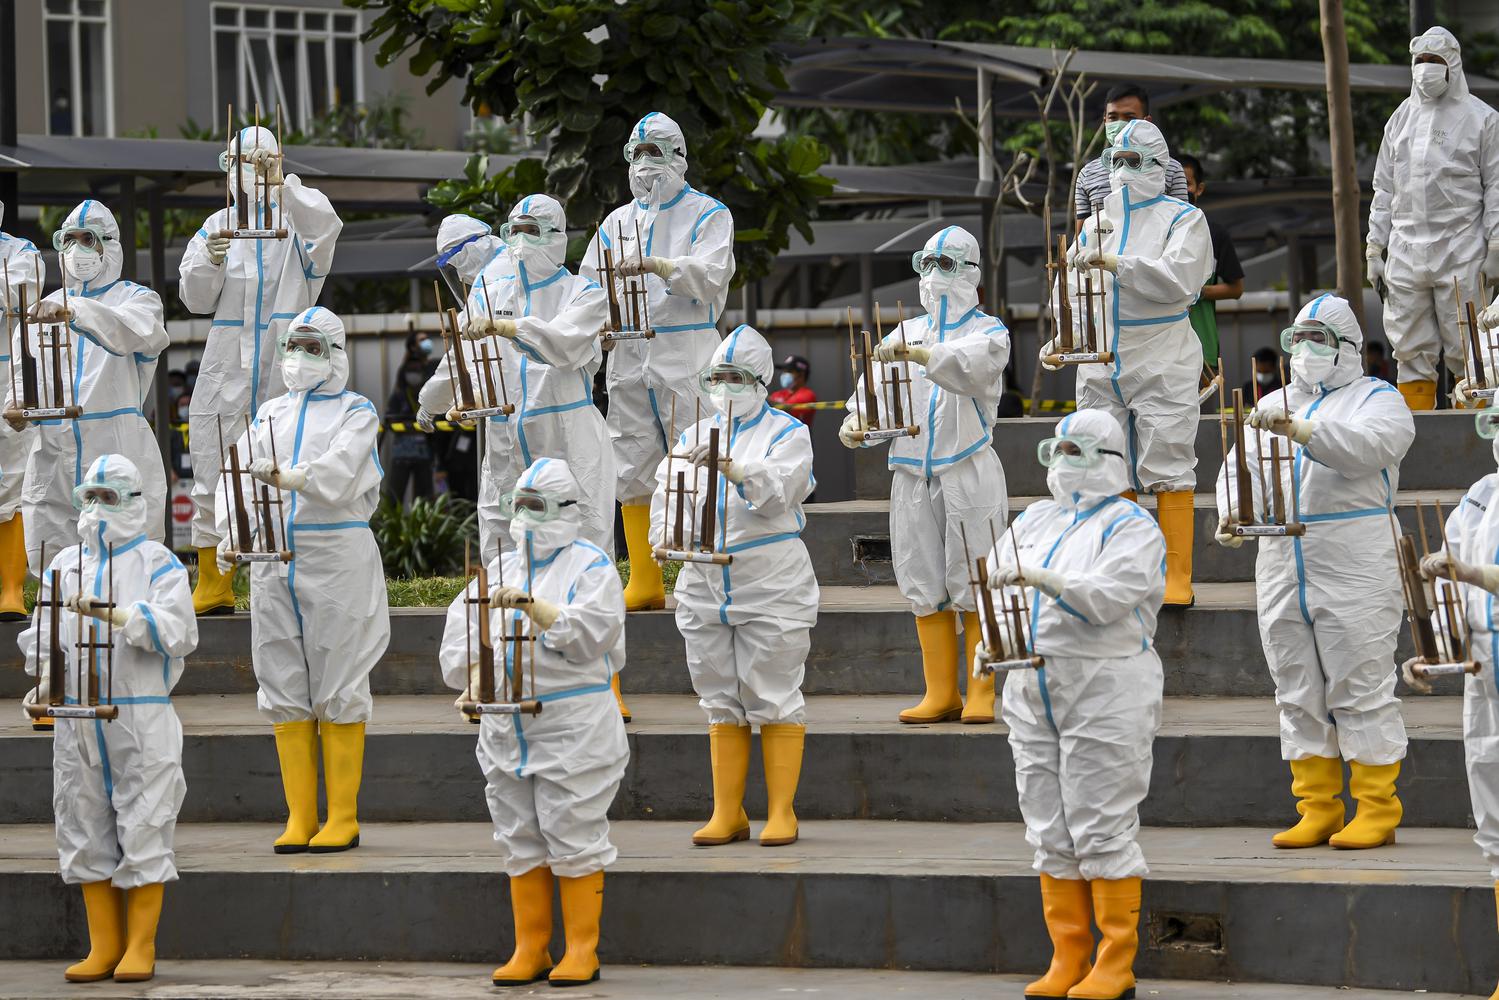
(692, 524)
(1435, 610)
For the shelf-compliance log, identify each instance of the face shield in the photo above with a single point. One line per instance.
(456, 267)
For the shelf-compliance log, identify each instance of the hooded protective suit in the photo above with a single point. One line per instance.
(252, 293)
(1329, 602)
(1435, 210)
(747, 625)
(552, 777)
(549, 366)
(117, 786)
(1082, 726)
(1162, 256)
(320, 622)
(118, 334)
(694, 233)
(23, 267)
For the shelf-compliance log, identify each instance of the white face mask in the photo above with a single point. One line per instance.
(1072, 486)
(83, 264)
(1310, 368)
(301, 371)
(650, 182)
(119, 526)
(543, 536)
(741, 400)
(937, 285)
(1431, 79)
(1264, 378)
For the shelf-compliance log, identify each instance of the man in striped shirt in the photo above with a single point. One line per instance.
(1124, 103)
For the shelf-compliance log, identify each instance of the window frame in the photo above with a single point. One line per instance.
(75, 19)
(246, 67)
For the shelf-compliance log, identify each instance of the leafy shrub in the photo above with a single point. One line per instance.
(425, 538)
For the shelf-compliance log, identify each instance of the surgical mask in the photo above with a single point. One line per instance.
(302, 372)
(730, 399)
(787, 380)
(936, 285)
(1111, 130)
(1311, 366)
(82, 263)
(1431, 79)
(119, 526)
(425, 346)
(1072, 485)
(648, 180)
(1265, 378)
(543, 537)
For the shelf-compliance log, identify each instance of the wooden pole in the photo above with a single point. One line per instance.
(1345, 190)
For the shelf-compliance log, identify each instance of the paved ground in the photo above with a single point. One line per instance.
(400, 981)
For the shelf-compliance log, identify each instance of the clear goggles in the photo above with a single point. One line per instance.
(535, 505)
(306, 340)
(526, 231)
(1076, 452)
(947, 262)
(1487, 422)
(88, 237)
(1319, 337)
(111, 496)
(649, 151)
(734, 378)
(1131, 158)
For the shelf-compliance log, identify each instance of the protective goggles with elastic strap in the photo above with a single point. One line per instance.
(649, 151)
(536, 505)
(526, 230)
(112, 496)
(306, 340)
(1076, 452)
(89, 237)
(947, 262)
(1131, 158)
(735, 378)
(1487, 422)
(1319, 337)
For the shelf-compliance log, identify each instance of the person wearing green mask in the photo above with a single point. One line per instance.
(1124, 104)
(1227, 281)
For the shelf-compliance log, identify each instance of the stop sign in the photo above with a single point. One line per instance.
(182, 509)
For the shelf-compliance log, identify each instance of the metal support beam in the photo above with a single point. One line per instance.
(1345, 190)
(866, 289)
(125, 215)
(10, 192)
(161, 390)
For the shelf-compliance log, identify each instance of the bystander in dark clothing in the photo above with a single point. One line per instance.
(1227, 279)
(411, 455)
(1376, 362)
(1266, 377)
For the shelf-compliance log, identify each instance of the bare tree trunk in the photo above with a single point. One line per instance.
(1345, 192)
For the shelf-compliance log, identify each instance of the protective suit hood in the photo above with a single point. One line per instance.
(545, 209)
(100, 528)
(92, 214)
(744, 348)
(1349, 364)
(1438, 41)
(653, 183)
(1074, 488)
(1150, 180)
(250, 137)
(329, 325)
(950, 297)
(465, 244)
(538, 540)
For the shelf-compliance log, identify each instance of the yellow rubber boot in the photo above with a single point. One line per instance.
(343, 768)
(938, 635)
(1379, 811)
(1496, 901)
(781, 745)
(1116, 911)
(1317, 783)
(531, 907)
(582, 908)
(142, 914)
(978, 706)
(12, 570)
(619, 698)
(729, 750)
(1174, 511)
(1419, 395)
(105, 906)
(214, 594)
(645, 590)
(1068, 908)
(296, 749)
(1131, 496)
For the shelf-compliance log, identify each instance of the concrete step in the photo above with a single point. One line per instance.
(1447, 454)
(1220, 904)
(1217, 762)
(849, 541)
(268, 980)
(864, 643)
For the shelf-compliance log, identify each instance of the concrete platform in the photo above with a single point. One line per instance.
(1217, 761)
(1221, 904)
(264, 980)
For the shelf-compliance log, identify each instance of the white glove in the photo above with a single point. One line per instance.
(426, 420)
(1050, 347)
(1226, 538)
(218, 248)
(1374, 261)
(1460, 396)
(467, 423)
(635, 266)
(85, 605)
(1276, 422)
(267, 164)
(1489, 318)
(1439, 565)
(1085, 257)
(482, 326)
(1048, 581)
(221, 556)
(733, 471)
(851, 426)
(539, 610)
(49, 311)
(1413, 682)
(42, 692)
(1491, 262)
(891, 349)
(265, 470)
(472, 692)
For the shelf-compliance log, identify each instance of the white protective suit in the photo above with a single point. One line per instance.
(320, 622)
(747, 626)
(117, 336)
(552, 777)
(549, 366)
(1436, 212)
(23, 266)
(1329, 601)
(252, 294)
(117, 785)
(1163, 258)
(695, 233)
(1082, 726)
(947, 478)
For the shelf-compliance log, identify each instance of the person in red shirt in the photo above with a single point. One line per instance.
(793, 388)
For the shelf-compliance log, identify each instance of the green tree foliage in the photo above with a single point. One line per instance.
(582, 73)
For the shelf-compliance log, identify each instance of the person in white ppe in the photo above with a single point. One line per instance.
(1329, 601)
(117, 337)
(1469, 557)
(550, 778)
(685, 256)
(252, 288)
(21, 267)
(319, 623)
(1434, 219)
(1091, 565)
(1154, 258)
(947, 479)
(117, 785)
(747, 626)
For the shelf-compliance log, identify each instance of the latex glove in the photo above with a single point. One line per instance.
(1225, 537)
(472, 692)
(1276, 422)
(457, 418)
(265, 470)
(1048, 581)
(221, 556)
(539, 610)
(1489, 318)
(633, 267)
(426, 420)
(1086, 257)
(49, 311)
(852, 425)
(16, 423)
(1374, 262)
(733, 471)
(1460, 395)
(86, 605)
(1491, 262)
(267, 164)
(892, 350)
(218, 248)
(982, 655)
(1439, 565)
(1413, 682)
(482, 326)
(1050, 347)
(37, 695)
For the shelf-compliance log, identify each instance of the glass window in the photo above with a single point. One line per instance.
(91, 8)
(59, 6)
(256, 17)
(76, 54)
(225, 15)
(307, 61)
(93, 80)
